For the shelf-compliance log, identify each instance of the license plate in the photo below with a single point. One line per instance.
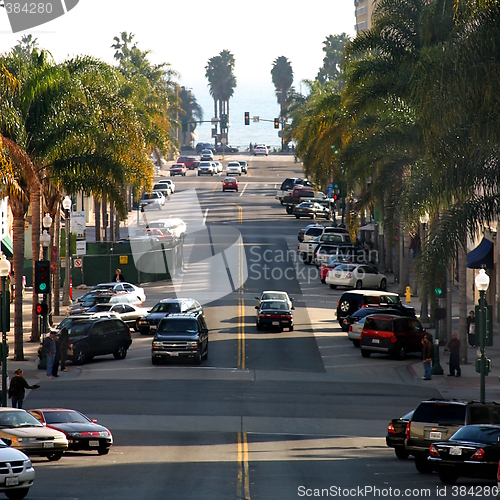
(455, 450)
(375, 341)
(152, 327)
(174, 354)
(435, 435)
(276, 323)
(93, 443)
(48, 445)
(11, 481)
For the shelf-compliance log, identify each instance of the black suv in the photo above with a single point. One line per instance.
(150, 322)
(438, 419)
(98, 337)
(181, 336)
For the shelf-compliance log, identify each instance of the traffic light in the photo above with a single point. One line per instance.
(42, 276)
(247, 118)
(276, 123)
(335, 150)
(223, 121)
(42, 309)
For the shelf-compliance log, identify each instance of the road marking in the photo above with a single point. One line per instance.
(243, 486)
(246, 184)
(205, 217)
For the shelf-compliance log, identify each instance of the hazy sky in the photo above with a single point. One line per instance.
(187, 33)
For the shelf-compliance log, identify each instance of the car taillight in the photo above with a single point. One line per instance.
(407, 432)
(361, 336)
(288, 316)
(300, 200)
(298, 247)
(350, 328)
(223, 183)
(433, 451)
(498, 471)
(393, 339)
(390, 429)
(349, 276)
(337, 304)
(479, 455)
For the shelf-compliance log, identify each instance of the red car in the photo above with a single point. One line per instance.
(178, 169)
(230, 183)
(191, 162)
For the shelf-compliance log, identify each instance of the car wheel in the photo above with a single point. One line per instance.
(79, 357)
(197, 359)
(383, 284)
(154, 361)
(345, 306)
(401, 353)
(212, 174)
(54, 457)
(291, 329)
(183, 175)
(259, 326)
(236, 189)
(401, 453)
(223, 190)
(136, 327)
(205, 356)
(359, 285)
(17, 494)
(323, 281)
(333, 287)
(297, 216)
(121, 352)
(448, 477)
(365, 354)
(422, 465)
(198, 174)
(103, 451)
(289, 209)
(281, 201)
(355, 343)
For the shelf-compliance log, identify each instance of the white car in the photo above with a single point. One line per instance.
(121, 287)
(128, 313)
(234, 168)
(206, 167)
(170, 182)
(261, 150)
(152, 200)
(218, 166)
(207, 155)
(356, 276)
(175, 226)
(17, 474)
(275, 295)
(355, 330)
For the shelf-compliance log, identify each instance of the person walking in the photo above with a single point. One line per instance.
(427, 356)
(471, 329)
(17, 389)
(118, 277)
(63, 340)
(57, 358)
(454, 347)
(49, 344)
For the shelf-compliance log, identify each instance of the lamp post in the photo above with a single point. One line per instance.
(4, 303)
(482, 283)
(47, 223)
(66, 203)
(45, 241)
(424, 311)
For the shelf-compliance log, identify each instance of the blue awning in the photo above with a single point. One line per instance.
(7, 247)
(481, 256)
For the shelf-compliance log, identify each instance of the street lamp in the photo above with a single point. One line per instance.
(424, 312)
(482, 283)
(66, 203)
(45, 240)
(4, 303)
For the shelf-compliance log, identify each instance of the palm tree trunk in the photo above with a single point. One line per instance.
(462, 304)
(18, 245)
(104, 210)
(97, 218)
(35, 248)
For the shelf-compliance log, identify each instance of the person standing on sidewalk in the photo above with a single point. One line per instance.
(49, 344)
(454, 347)
(427, 356)
(471, 329)
(63, 340)
(17, 389)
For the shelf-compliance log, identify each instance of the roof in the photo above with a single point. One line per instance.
(481, 256)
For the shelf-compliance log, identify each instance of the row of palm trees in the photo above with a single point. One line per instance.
(414, 127)
(77, 126)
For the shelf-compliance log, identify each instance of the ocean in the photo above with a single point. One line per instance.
(259, 99)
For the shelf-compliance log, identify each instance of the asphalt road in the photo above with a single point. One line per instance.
(269, 415)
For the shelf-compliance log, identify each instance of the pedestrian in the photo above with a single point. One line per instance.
(63, 340)
(1, 387)
(454, 347)
(427, 356)
(471, 329)
(49, 344)
(57, 359)
(118, 277)
(17, 389)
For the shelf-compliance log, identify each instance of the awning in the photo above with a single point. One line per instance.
(368, 227)
(7, 247)
(481, 256)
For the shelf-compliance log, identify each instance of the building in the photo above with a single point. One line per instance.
(363, 12)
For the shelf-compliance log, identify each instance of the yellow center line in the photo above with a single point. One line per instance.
(243, 486)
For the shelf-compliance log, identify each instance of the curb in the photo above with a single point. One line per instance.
(412, 371)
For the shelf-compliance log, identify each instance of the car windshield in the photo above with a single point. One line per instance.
(178, 325)
(78, 329)
(390, 299)
(273, 296)
(13, 419)
(100, 308)
(166, 307)
(106, 286)
(64, 417)
(477, 434)
(280, 305)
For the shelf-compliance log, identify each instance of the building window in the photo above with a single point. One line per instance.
(362, 10)
(361, 26)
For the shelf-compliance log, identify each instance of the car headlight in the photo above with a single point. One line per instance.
(75, 434)
(22, 440)
(192, 344)
(27, 464)
(157, 344)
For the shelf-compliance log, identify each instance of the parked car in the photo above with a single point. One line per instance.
(287, 186)
(274, 313)
(325, 251)
(154, 200)
(17, 474)
(355, 330)
(206, 167)
(121, 287)
(353, 300)
(204, 145)
(260, 150)
(299, 194)
(128, 313)
(222, 148)
(83, 434)
(178, 169)
(234, 168)
(180, 336)
(361, 314)
(313, 231)
(206, 155)
(103, 298)
(230, 183)
(28, 435)
(150, 322)
(396, 435)
(312, 210)
(98, 337)
(390, 334)
(170, 183)
(244, 166)
(191, 162)
(356, 276)
(473, 451)
(438, 419)
(307, 248)
(333, 262)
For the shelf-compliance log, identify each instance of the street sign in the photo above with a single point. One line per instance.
(214, 121)
(78, 262)
(123, 259)
(81, 247)
(256, 119)
(223, 140)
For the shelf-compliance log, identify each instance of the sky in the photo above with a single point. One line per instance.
(188, 34)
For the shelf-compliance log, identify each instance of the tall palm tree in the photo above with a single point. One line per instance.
(192, 112)
(282, 76)
(333, 47)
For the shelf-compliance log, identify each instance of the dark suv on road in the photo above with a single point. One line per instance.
(181, 336)
(98, 337)
(438, 419)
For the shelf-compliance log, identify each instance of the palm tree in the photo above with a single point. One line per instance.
(334, 50)
(192, 112)
(282, 76)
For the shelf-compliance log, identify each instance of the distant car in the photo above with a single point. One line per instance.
(162, 188)
(260, 150)
(103, 298)
(356, 276)
(274, 313)
(275, 295)
(360, 314)
(233, 167)
(221, 148)
(170, 183)
(128, 313)
(28, 435)
(150, 235)
(121, 287)
(396, 435)
(244, 166)
(18, 474)
(191, 162)
(206, 167)
(83, 433)
(230, 184)
(204, 145)
(312, 210)
(206, 155)
(178, 169)
(218, 167)
(151, 201)
(173, 225)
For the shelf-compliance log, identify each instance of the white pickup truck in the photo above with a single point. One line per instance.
(286, 188)
(307, 247)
